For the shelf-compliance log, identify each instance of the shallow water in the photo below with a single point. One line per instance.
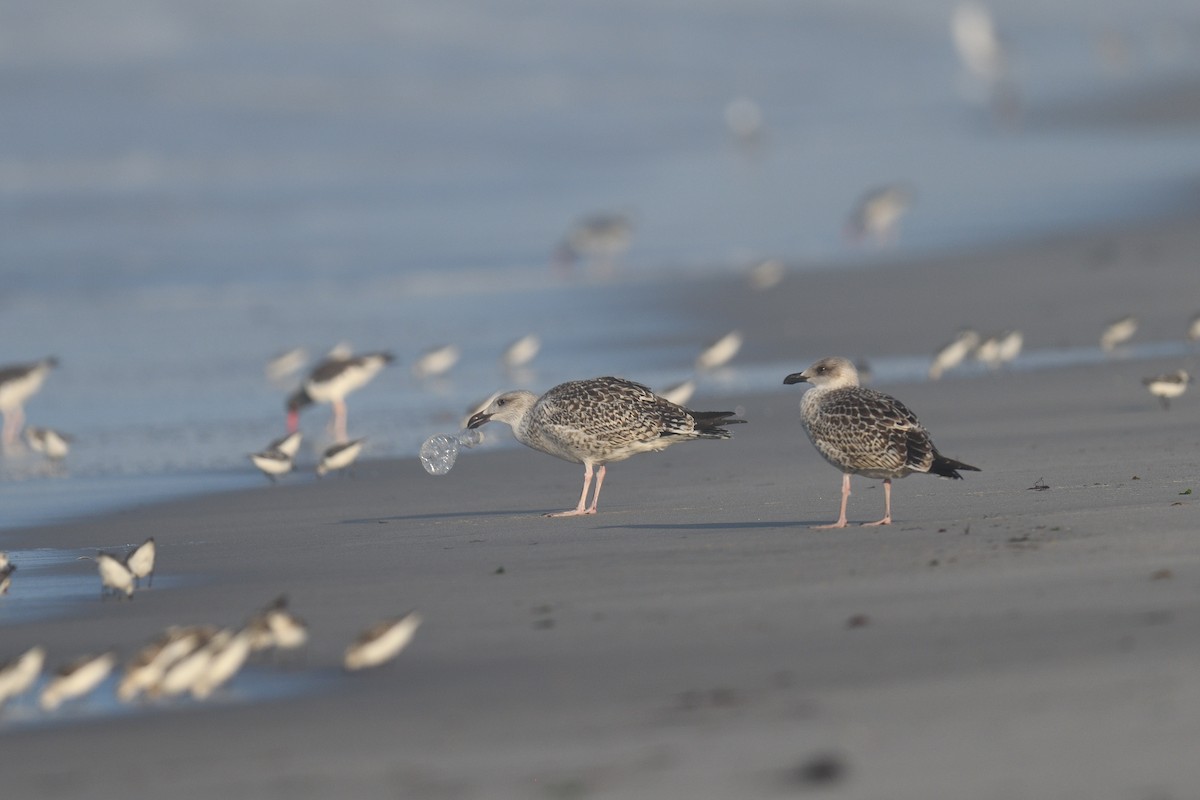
(188, 193)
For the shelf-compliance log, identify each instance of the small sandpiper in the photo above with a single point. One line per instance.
(180, 677)
(19, 382)
(54, 444)
(953, 352)
(680, 393)
(6, 577)
(273, 463)
(140, 562)
(339, 456)
(20, 673)
(720, 352)
(288, 444)
(281, 368)
(1169, 386)
(277, 627)
(519, 353)
(77, 679)
(229, 654)
(149, 664)
(436, 361)
(1118, 332)
(382, 642)
(114, 575)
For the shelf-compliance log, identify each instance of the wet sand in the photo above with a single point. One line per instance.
(697, 638)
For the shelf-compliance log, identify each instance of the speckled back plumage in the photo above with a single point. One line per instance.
(609, 419)
(866, 432)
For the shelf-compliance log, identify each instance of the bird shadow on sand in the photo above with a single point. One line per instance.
(708, 526)
(444, 515)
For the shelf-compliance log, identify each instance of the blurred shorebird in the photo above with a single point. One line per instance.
(1003, 348)
(53, 444)
(339, 456)
(289, 444)
(19, 674)
(521, 352)
(140, 562)
(272, 463)
(275, 627)
(114, 575)
(953, 352)
(680, 393)
(877, 214)
(1118, 332)
(6, 577)
(76, 679)
(19, 382)
(1193, 331)
(766, 274)
(601, 239)
(227, 655)
(281, 368)
(744, 118)
(720, 352)
(330, 382)
(146, 670)
(381, 642)
(1167, 387)
(436, 361)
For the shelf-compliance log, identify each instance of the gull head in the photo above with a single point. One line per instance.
(833, 372)
(509, 407)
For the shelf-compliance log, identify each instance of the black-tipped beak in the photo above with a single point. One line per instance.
(477, 420)
(795, 377)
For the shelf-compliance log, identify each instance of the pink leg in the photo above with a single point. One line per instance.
(339, 421)
(599, 482)
(887, 504)
(841, 520)
(580, 509)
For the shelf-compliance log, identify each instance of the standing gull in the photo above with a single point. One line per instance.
(18, 383)
(864, 432)
(330, 382)
(597, 421)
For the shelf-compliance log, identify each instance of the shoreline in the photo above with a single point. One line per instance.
(696, 637)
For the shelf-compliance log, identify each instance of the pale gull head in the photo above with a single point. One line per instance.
(510, 407)
(833, 372)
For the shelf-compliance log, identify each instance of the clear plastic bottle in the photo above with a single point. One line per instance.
(440, 451)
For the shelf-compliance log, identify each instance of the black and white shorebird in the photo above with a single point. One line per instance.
(55, 445)
(115, 577)
(381, 642)
(339, 456)
(76, 679)
(330, 382)
(598, 421)
(19, 382)
(272, 463)
(1168, 387)
(140, 562)
(864, 432)
(288, 444)
(19, 674)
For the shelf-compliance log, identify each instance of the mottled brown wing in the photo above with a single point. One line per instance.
(609, 410)
(869, 430)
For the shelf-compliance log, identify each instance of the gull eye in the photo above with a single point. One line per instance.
(501, 402)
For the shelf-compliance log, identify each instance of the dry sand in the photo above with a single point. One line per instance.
(696, 639)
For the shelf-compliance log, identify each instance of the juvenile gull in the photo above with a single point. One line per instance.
(19, 382)
(1165, 387)
(864, 432)
(598, 421)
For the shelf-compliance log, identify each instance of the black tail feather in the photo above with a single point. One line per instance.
(711, 424)
(948, 467)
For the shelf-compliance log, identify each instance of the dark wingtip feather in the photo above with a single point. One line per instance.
(710, 424)
(948, 467)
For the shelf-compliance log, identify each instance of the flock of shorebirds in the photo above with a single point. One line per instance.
(192, 660)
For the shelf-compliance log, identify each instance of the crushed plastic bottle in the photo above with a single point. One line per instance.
(440, 451)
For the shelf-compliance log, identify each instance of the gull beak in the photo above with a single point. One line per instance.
(478, 419)
(795, 377)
